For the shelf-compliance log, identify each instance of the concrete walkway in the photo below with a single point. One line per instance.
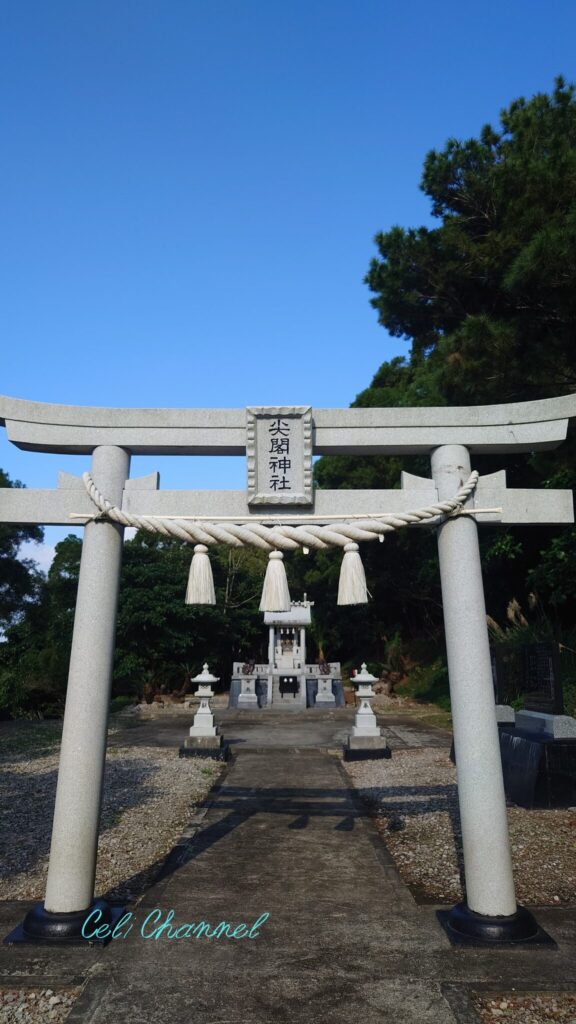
(250, 730)
(344, 941)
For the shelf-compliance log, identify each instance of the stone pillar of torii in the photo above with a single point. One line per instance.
(280, 479)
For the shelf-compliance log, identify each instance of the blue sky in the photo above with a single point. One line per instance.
(189, 190)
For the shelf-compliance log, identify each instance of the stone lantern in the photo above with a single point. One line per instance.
(363, 681)
(205, 680)
(366, 740)
(204, 739)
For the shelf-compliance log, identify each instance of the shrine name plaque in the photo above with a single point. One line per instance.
(279, 455)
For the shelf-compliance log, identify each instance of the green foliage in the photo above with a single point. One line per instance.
(19, 578)
(536, 626)
(164, 641)
(554, 575)
(160, 641)
(119, 703)
(495, 281)
(428, 684)
(395, 653)
(517, 703)
(12, 696)
(34, 659)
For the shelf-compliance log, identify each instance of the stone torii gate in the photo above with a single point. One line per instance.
(449, 435)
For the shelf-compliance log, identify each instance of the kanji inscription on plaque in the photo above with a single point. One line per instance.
(279, 455)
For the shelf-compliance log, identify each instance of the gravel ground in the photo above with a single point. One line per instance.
(415, 801)
(532, 1008)
(34, 1006)
(414, 798)
(149, 796)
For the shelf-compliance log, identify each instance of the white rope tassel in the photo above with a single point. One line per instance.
(200, 588)
(275, 593)
(352, 585)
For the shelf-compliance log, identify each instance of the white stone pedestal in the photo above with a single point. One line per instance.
(204, 739)
(325, 695)
(247, 696)
(365, 724)
(204, 720)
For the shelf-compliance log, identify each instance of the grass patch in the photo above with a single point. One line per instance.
(119, 703)
(31, 739)
(428, 685)
(438, 719)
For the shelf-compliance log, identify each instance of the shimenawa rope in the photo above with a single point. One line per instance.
(281, 537)
(277, 538)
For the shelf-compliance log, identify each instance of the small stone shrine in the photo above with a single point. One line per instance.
(286, 681)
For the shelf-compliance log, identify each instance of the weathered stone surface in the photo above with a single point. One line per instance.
(487, 862)
(77, 810)
(279, 455)
(504, 713)
(538, 723)
(356, 742)
(522, 426)
(203, 742)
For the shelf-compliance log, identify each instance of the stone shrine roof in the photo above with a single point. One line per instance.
(299, 615)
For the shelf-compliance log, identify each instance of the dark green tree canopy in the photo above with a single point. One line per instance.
(19, 578)
(487, 297)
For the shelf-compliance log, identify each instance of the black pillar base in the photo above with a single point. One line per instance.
(367, 754)
(222, 753)
(40, 927)
(466, 928)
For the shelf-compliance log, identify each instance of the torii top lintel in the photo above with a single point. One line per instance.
(70, 429)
